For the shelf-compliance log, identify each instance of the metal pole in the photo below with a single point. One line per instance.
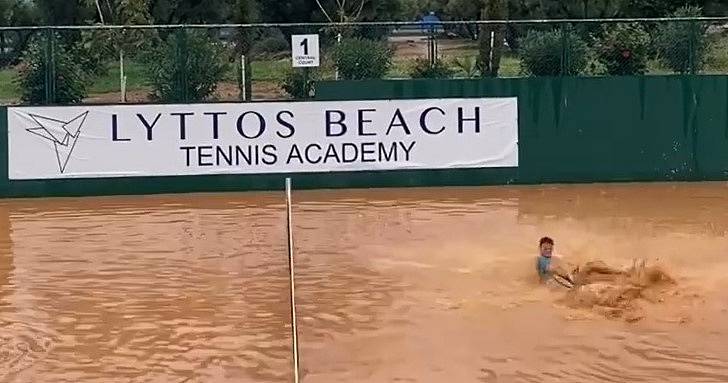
(338, 42)
(47, 58)
(294, 327)
(564, 52)
(244, 77)
(306, 89)
(122, 78)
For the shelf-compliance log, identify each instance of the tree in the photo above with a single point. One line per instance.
(67, 12)
(682, 46)
(415, 9)
(658, 8)
(245, 12)
(187, 68)
(359, 59)
(97, 47)
(68, 81)
(134, 12)
(15, 13)
(542, 53)
(716, 8)
(491, 38)
(624, 49)
(582, 9)
(301, 11)
(190, 11)
(5, 7)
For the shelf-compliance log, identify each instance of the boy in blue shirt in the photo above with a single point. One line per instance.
(546, 270)
(543, 265)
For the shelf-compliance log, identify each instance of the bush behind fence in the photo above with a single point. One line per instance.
(208, 63)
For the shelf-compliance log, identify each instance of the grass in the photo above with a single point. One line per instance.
(8, 90)
(111, 83)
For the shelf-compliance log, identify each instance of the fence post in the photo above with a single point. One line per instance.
(692, 49)
(245, 73)
(48, 61)
(338, 42)
(181, 62)
(564, 51)
(431, 47)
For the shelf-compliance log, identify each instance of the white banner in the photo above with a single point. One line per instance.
(247, 138)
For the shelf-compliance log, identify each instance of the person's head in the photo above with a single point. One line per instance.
(546, 246)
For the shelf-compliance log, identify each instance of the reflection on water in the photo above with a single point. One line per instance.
(413, 285)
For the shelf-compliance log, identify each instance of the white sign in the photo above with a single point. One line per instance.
(305, 50)
(259, 138)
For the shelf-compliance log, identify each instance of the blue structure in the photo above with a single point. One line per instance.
(431, 23)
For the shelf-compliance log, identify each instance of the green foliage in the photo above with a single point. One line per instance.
(542, 53)
(270, 42)
(246, 12)
(422, 68)
(189, 11)
(66, 12)
(659, 8)
(42, 61)
(299, 85)
(15, 13)
(624, 49)
(468, 66)
(187, 67)
(580, 9)
(96, 48)
(93, 51)
(415, 9)
(359, 59)
(682, 46)
(5, 7)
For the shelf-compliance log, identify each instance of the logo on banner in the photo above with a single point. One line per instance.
(63, 135)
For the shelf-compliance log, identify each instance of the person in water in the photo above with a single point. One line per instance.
(543, 264)
(548, 269)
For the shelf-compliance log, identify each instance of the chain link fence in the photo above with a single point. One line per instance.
(218, 63)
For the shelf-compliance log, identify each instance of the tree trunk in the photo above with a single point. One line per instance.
(491, 38)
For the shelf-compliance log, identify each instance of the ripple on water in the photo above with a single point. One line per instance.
(21, 346)
(392, 286)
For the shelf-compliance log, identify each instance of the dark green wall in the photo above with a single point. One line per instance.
(595, 129)
(653, 128)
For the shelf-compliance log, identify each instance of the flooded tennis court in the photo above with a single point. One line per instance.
(393, 285)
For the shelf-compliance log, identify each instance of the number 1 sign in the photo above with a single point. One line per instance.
(305, 50)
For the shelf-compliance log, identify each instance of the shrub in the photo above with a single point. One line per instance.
(68, 81)
(296, 85)
(270, 45)
(468, 66)
(94, 50)
(187, 67)
(422, 68)
(624, 49)
(270, 42)
(680, 43)
(541, 53)
(359, 59)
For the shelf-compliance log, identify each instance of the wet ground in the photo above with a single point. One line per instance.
(403, 285)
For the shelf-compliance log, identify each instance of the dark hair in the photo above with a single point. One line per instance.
(546, 240)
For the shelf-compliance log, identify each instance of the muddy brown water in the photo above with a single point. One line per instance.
(404, 285)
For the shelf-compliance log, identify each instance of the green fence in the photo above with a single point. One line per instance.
(595, 129)
(209, 63)
(603, 129)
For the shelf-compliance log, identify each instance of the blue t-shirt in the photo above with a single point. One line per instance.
(543, 265)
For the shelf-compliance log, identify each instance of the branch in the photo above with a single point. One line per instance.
(324, 11)
(101, 14)
(361, 8)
